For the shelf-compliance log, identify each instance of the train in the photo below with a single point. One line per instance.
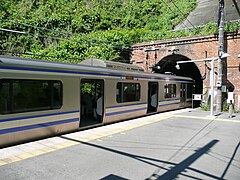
(40, 98)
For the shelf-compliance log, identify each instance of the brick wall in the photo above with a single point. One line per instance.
(147, 54)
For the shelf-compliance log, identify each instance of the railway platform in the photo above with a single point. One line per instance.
(181, 144)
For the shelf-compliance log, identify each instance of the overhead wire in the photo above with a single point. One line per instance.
(51, 36)
(58, 57)
(58, 38)
(54, 57)
(39, 55)
(100, 43)
(37, 27)
(50, 30)
(182, 13)
(31, 34)
(174, 12)
(70, 34)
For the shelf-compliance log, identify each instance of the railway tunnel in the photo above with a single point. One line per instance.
(168, 63)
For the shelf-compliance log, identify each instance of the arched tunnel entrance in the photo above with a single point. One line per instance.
(168, 63)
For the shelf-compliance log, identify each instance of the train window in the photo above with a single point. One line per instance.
(128, 92)
(5, 97)
(29, 95)
(170, 90)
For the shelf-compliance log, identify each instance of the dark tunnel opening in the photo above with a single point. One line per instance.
(168, 63)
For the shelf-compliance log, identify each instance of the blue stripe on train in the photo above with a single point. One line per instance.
(166, 100)
(169, 104)
(110, 107)
(36, 126)
(126, 111)
(57, 71)
(38, 116)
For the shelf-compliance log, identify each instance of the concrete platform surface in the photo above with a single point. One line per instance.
(182, 144)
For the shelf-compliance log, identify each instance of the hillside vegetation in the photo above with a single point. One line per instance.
(70, 30)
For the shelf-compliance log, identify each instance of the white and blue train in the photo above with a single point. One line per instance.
(41, 98)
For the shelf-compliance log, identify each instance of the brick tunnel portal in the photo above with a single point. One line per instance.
(168, 63)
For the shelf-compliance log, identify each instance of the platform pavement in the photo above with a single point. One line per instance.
(199, 113)
(24, 151)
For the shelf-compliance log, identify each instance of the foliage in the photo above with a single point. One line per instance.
(205, 107)
(70, 30)
(225, 107)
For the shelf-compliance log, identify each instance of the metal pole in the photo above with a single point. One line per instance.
(212, 87)
(220, 50)
(212, 79)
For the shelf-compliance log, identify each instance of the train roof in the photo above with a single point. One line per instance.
(68, 68)
(110, 64)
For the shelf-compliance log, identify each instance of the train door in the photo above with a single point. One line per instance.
(91, 103)
(183, 94)
(152, 97)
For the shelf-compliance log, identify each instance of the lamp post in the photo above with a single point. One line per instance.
(212, 79)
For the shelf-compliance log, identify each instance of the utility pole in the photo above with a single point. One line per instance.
(220, 51)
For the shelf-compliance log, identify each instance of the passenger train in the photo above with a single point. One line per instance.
(42, 98)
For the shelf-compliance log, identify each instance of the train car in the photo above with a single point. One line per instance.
(42, 98)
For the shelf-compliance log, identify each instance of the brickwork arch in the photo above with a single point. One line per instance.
(166, 53)
(168, 63)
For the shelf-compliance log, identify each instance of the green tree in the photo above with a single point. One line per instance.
(70, 30)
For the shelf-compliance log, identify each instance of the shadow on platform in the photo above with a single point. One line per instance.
(177, 169)
(113, 177)
(230, 162)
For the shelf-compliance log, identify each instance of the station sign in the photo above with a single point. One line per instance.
(197, 97)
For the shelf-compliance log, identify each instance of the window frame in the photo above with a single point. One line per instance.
(122, 97)
(170, 91)
(14, 92)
